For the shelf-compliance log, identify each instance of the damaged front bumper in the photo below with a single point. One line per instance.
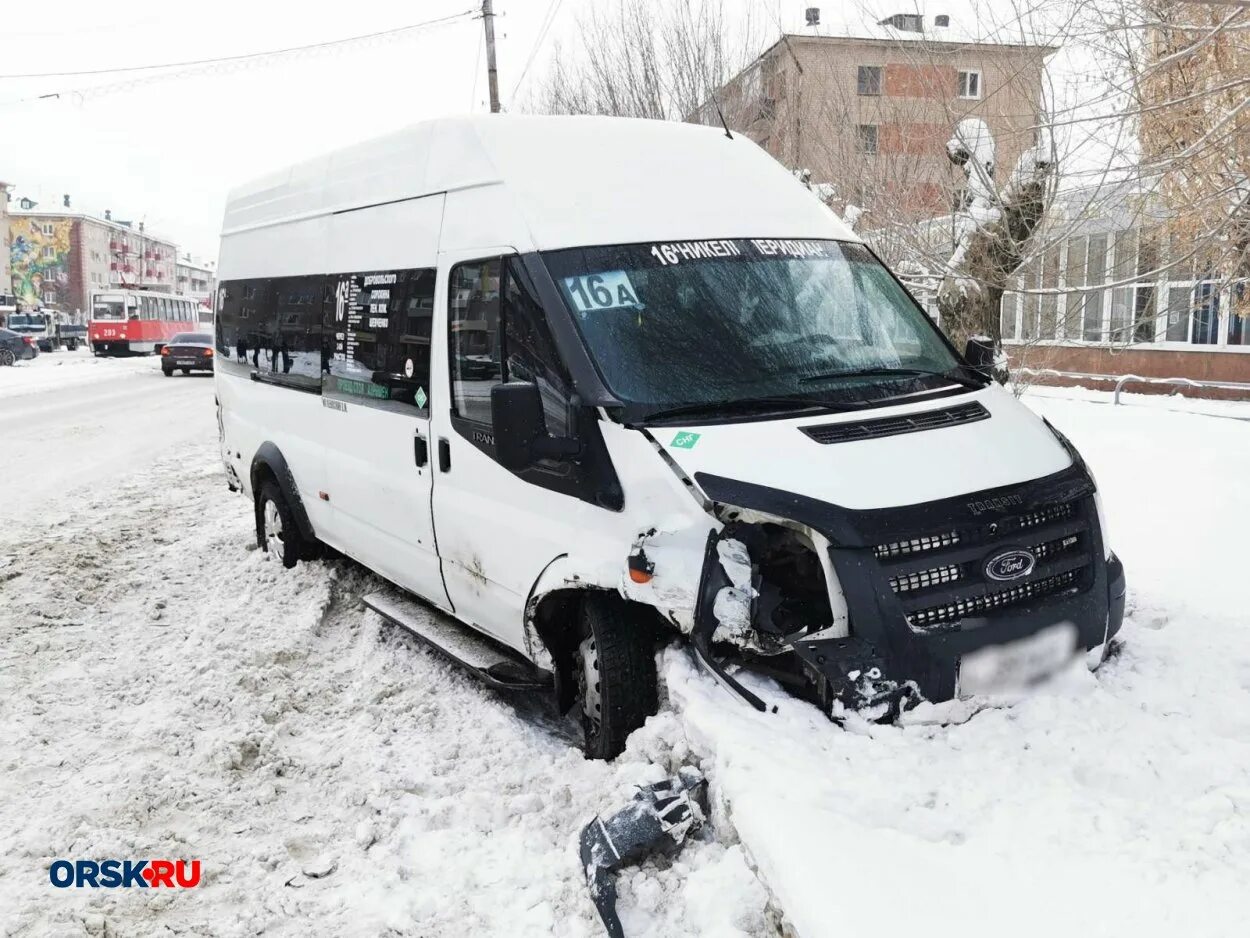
(925, 587)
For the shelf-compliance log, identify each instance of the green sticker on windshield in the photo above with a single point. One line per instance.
(420, 397)
(684, 441)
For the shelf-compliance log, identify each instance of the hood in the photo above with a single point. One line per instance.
(1011, 445)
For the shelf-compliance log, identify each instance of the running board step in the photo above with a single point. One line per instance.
(487, 659)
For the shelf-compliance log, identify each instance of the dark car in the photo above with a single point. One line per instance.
(188, 352)
(14, 347)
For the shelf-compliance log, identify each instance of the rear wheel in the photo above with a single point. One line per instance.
(615, 670)
(276, 531)
(186, 371)
(7, 357)
(169, 372)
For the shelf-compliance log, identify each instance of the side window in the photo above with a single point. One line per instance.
(500, 334)
(296, 349)
(473, 337)
(245, 328)
(530, 353)
(378, 342)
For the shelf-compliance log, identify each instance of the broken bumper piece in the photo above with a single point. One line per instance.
(658, 820)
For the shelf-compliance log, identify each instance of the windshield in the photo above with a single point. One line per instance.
(27, 321)
(107, 307)
(712, 321)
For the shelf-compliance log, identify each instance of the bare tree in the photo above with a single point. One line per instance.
(641, 59)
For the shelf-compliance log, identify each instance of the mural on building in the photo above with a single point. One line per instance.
(40, 260)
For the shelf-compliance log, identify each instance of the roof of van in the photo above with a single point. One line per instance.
(571, 180)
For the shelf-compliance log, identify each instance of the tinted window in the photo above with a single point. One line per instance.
(379, 347)
(191, 338)
(473, 337)
(296, 347)
(529, 353)
(246, 326)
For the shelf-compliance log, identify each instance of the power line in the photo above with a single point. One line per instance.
(248, 55)
(553, 10)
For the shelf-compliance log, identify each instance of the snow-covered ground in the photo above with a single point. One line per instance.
(166, 692)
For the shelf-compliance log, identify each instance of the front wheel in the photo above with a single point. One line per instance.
(616, 677)
(276, 531)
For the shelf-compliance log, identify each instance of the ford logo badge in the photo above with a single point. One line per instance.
(1010, 565)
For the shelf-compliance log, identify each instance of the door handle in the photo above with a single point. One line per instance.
(444, 454)
(420, 450)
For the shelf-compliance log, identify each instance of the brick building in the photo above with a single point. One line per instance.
(58, 257)
(868, 108)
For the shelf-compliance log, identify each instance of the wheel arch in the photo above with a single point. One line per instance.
(553, 619)
(269, 463)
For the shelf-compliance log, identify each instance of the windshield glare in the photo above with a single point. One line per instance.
(191, 338)
(710, 321)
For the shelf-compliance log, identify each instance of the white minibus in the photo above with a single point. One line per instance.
(590, 385)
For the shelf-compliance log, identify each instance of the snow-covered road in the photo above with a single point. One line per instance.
(166, 692)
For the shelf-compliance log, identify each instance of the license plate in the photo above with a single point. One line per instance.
(186, 361)
(1002, 668)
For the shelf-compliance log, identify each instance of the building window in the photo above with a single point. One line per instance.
(49, 251)
(970, 83)
(867, 138)
(870, 79)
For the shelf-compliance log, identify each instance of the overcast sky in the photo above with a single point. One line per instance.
(164, 147)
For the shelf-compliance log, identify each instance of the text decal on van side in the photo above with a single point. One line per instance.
(610, 289)
(685, 440)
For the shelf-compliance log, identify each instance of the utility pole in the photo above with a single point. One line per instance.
(492, 75)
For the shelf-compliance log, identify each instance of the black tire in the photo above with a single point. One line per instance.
(7, 357)
(168, 372)
(289, 544)
(615, 672)
(186, 371)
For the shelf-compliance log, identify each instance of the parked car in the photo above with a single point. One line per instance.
(646, 388)
(188, 352)
(15, 347)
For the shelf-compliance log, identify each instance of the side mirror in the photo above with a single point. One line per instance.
(516, 411)
(980, 355)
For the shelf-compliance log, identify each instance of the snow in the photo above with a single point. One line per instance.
(1115, 803)
(168, 692)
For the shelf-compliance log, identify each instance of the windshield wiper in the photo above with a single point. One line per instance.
(956, 375)
(746, 405)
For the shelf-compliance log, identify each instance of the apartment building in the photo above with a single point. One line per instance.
(196, 277)
(58, 257)
(868, 107)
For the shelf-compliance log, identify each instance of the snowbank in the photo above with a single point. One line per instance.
(1111, 804)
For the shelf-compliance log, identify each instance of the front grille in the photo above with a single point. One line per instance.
(923, 579)
(853, 430)
(976, 605)
(940, 578)
(917, 545)
(1047, 515)
(951, 573)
